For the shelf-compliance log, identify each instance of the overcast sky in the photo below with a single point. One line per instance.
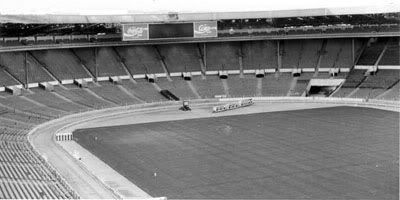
(108, 7)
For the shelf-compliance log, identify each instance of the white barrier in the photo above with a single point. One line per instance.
(65, 82)
(103, 78)
(175, 74)
(64, 136)
(33, 85)
(139, 76)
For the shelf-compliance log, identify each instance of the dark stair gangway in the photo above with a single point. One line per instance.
(167, 94)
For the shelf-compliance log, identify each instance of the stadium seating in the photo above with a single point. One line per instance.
(22, 104)
(332, 49)
(144, 90)
(52, 100)
(141, 59)
(372, 52)
(367, 93)
(3, 110)
(391, 55)
(114, 94)
(86, 57)
(393, 94)
(310, 54)
(337, 54)
(6, 80)
(359, 46)
(25, 175)
(291, 53)
(310, 75)
(382, 79)
(181, 57)
(14, 63)
(23, 117)
(260, 55)
(222, 56)
(300, 88)
(7, 123)
(343, 92)
(62, 63)
(107, 61)
(83, 97)
(209, 87)
(272, 86)
(341, 75)
(11, 134)
(177, 86)
(239, 87)
(345, 59)
(324, 75)
(355, 77)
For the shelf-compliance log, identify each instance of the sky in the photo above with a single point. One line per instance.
(113, 7)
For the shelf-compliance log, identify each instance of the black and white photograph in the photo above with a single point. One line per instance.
(199, 99)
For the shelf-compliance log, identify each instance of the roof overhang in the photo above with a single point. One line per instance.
(176, 17)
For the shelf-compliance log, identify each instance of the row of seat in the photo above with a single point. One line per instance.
(381, 79)
(372, 52)
(391, 55)
(392, 94)
(64, 64)
(23, 171)
(32, 190)
(114, 94)
(11, 135)
(25, 118)
(6, 123)
(24, 104)
(245, 86)
(69, 98)
(24, 174)
(19, 156)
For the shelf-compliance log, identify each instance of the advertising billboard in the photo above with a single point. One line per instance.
(205, 29)
(135, 32)
(144, 31)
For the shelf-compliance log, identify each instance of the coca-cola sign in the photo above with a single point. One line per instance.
(205, 29)
(135, 32)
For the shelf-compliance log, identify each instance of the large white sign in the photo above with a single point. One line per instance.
(205, 29)
(135, 32)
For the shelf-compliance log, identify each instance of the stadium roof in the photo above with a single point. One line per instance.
(174, 16)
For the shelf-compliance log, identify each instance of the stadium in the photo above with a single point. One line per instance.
(284, 104)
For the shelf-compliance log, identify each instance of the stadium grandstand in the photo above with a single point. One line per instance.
(53, 67)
